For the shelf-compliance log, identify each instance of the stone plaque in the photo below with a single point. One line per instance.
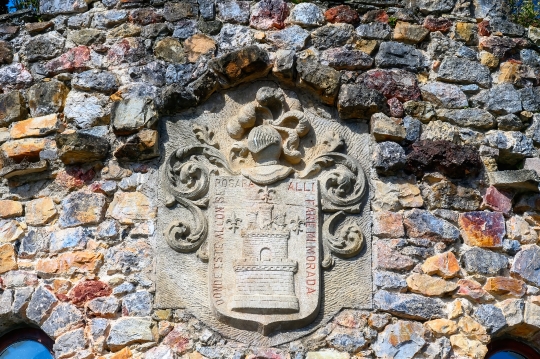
(263, 217)
(264, 252)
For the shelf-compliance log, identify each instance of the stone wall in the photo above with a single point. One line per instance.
(449, 91)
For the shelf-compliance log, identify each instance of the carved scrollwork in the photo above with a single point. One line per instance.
(187, 174)
(345, 244)
(342, 185)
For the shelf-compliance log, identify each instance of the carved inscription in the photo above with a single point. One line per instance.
(269, 236)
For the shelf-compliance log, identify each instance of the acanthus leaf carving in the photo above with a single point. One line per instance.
(188, 174)
(345, 243)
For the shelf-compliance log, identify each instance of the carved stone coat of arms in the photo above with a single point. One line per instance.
(263, 221)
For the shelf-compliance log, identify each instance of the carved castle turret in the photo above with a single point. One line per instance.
(265, 274)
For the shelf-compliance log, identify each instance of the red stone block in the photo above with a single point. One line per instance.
(482, 229)
(498, 200)
(75, 60)
(269, 14)
(87, 290)
(483, 28)
(437, 24)
(395, 106)
(342, 13)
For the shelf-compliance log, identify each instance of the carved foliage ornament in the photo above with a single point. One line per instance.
(262, 197)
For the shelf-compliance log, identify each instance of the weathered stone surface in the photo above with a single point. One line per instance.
(88, 290)
(12, 107)
(532, 314)
(359, 101)
(82, 208)
(75, 59)
(392, 193)
(395, 54)
(9, 209)
(234, 11)
(445, 157)
(513, 145)
(68, 239)
(504, 286)
(8, 259)
(388, 157)
(422, 224)
(394, 83)
(56, 7)
(81, 147)
(482, 229)
(145, 16)
(443, 264)
(430, 286)
(437, 24)
(124, 30)
(342, 13)
(44, 47)
(178, 11)
(6, 52)
(104, 306)
(291, 38)
(35, 127)
(486, 262)
(509, 122)
(321, 80)
(490, 317)
(138, 304)
(15, 76)
(40, 305)
(498, 200)
(40, 211)
(466, 32)
(86, 109)
(131, 114)
(444, 95)
(519, 229)
(269, 14)
(198, 45)
(126, 331)
(400, 340)
(472, 290)
(11, 230)
(69, 343)
(346, 59)
(526, 265)
(82, 262)
(26, 148)
(411, 306)
(470, 117)
(389, 281)
(129, 207)
(462, 345)
(374, 31)
(243, 65)
(386, 128)
(519, 180)
(64, 317)
(409, 33)
(170, 49)
(95, 80)
(442, 326)
(463, 71)
(127, 50)
(390, 259)
(329, 36)
(306, 15)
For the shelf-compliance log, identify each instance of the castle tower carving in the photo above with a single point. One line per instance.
(265, 274)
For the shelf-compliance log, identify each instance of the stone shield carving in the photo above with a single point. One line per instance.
(263, 215)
